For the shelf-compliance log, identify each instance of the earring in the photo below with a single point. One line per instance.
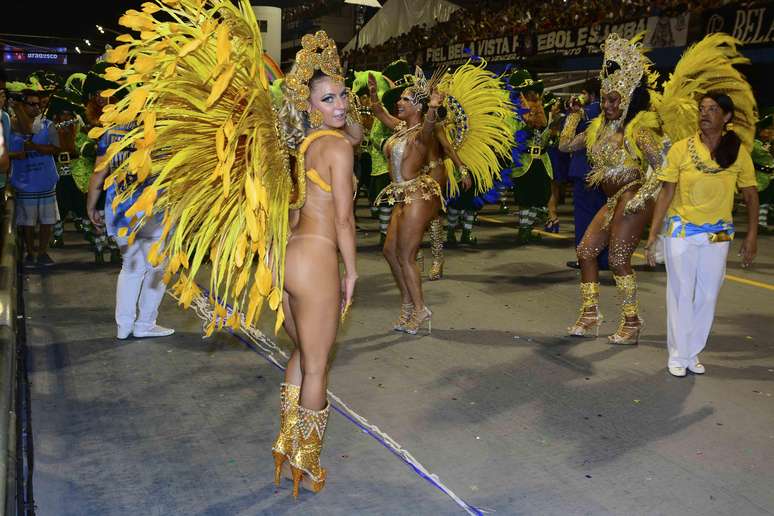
(315, 119)
(729, 126)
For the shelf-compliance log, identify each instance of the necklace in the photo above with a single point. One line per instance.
(699, 163)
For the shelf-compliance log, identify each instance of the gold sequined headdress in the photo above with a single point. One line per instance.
(632, 65)
(318, 52)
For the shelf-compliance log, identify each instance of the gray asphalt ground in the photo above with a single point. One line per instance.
(511, 415)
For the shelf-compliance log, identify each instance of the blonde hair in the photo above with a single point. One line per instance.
(293, 121)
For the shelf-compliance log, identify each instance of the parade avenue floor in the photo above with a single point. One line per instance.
(503, 410)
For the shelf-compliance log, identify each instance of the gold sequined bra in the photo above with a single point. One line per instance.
(612, 161)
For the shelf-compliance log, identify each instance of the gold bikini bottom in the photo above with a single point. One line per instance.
(423, 187)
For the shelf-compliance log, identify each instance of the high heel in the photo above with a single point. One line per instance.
(283, 444)
(406, 313)
(587, 319)
(308, 439)
(418, 320)
(628, 332)
(589, 316)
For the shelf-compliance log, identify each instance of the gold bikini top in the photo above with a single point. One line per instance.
(302, 174)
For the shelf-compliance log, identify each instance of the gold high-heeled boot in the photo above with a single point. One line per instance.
(406, 313)
(589, 316)
(308, 438)
(283, 444)
(436, 242)
(628, 331)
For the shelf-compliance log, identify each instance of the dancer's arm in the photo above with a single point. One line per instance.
(340, 156)
(450, 153)
(750, 243)
(652, 148)
(96, 182)
(568, 140)
(378, 109)
(663, 201)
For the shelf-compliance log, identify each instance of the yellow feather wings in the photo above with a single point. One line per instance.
(208, 147)
(706, 66)
(480, 122)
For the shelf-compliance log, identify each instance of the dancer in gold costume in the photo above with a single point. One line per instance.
(423, 138)
(210, 153)
(622, 145)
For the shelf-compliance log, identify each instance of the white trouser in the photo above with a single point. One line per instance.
(695, 269)
(139, 282)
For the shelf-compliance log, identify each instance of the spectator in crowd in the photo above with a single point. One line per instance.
(34, 178)
(5, 120)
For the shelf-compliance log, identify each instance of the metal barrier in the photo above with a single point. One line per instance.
(8, 424)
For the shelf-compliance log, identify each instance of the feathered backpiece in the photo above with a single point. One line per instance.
(206, 151)
(479, 123)
(707, 66)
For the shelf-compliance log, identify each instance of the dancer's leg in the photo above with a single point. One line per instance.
(390, 252)
(414, 221)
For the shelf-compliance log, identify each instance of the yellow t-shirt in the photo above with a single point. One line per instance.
(702, 197)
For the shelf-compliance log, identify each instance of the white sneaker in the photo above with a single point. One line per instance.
(154, 331)
(677, 371)
(123, 333)
(697, 368)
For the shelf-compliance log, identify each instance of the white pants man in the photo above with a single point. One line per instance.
(695, 270)
(140, 287)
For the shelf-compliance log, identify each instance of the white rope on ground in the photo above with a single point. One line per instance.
(269, 350)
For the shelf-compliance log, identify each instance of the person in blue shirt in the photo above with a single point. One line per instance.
(586, 201)
(33, 178)
(140, 287)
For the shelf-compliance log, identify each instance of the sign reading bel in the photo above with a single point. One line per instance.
(494, 49)
(753, 26)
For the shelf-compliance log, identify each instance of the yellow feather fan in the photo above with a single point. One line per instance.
(706, 66)
(479, 124)
(208, 151)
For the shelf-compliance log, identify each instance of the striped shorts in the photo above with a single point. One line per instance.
(36, 208)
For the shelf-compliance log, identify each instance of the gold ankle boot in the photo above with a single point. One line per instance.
(436, 242)
(589, 316)
(628, 332)
(406, 313)
(283, 444)
(308, 438)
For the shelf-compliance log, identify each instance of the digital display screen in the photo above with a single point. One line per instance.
(37, 55)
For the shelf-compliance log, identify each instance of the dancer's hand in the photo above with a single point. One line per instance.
(748, 251)
(436, 99)
(97, 220)
(650, 251)
(347, 292)
(467, 182)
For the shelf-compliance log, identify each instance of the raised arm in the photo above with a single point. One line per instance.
(449, 152)
(339, 155)
(568, 140)
(377, 108)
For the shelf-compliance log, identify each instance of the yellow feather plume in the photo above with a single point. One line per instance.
(208, 144)
(707, 66)
(479, 122)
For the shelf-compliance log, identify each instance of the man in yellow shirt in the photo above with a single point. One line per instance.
(699, 180)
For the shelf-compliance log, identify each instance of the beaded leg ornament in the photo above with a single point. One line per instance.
(406, 313)
(589, 316)
(628, 331)
(307, 438)
(436, 242)
(283, 444)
